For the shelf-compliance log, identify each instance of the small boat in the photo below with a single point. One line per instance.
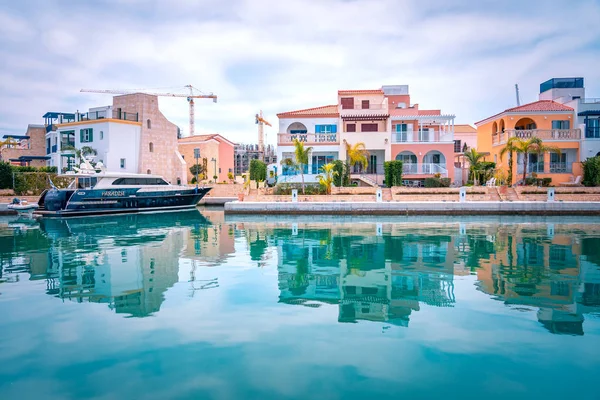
(95, 191)
(22, 207)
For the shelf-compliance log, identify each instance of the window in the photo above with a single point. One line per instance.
(67, 138)
(148, 124)
(101, 135)
(368, 127)
(139, 181)
(122, 163)
(593, 128)
(325, 128)
(148, 172)
(401, 133)
(86, 135)
(347, 103)
(151, 147)
(48, 146)
(319, 161)
(365, 104)
(350, 127)
(457, 144)
(562, 124)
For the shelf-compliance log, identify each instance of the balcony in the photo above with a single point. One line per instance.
(422, 137)
(308, 138)
(50, 128)
(369, 106)
(424, 169)
(549, 135)
(114, 114)
(551, 168)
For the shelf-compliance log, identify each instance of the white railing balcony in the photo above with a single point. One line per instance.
(308, 138)
(551, 168)
(544, 134)
(424, 169)
(422, 137)
(591, 100)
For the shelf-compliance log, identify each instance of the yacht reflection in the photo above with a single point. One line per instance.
(125, 261)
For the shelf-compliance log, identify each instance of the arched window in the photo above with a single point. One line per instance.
(149, 172)
(148, 123)
(494, 127)
(151, 147)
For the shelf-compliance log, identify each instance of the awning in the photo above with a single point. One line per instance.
(588, 113)
(19, 137)
(370, 117)
(30, 158)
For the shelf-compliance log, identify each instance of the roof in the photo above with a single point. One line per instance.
(30, 158)
(51, 114)
(464, 128)
(583, 113)
(535, 107)
(205, 138)
(322, 111)
(365, 91)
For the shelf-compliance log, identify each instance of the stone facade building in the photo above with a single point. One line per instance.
(246, 152)
(28, 149)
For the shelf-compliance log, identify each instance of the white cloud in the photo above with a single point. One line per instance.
(280, 56)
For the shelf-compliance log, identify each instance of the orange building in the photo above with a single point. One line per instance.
(553, 122)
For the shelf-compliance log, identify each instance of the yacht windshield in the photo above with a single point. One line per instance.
(86, 183)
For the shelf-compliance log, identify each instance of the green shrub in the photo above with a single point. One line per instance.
(285, 189)
(534, 181)
(437, 182)
(341, 178)
(34, 183)
(591, 171)
(6, 176)
(393, 173)
(258, 171)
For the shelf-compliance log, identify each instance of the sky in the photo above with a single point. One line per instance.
(463, 57)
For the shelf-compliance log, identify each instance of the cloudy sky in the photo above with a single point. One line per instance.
(461, 56)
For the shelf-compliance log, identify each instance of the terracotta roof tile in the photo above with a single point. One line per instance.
(323, 111)
(203, 138)
(536, 106)
(541, 105)
(367, 91)
(464, 128)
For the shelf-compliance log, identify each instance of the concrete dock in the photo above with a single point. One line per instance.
(415, 208)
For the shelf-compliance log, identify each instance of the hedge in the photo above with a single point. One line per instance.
(34, 183)
(285, 189)
(591, 171)
(393, 173)
(437, 182)
(7, 170)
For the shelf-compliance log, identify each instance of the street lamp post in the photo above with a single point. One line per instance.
(214, 160)
(196, 156)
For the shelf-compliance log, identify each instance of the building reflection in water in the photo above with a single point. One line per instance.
(127, 262)
(385, 272)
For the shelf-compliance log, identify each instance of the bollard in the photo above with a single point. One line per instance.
(294, 195)
(294, 229)
(550, 195)
(379, 196)
(462, 228)
(463, 195)
(379, 229)
(550, 230)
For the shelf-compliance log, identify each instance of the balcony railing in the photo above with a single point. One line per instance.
(421, 137)
(50, 128)
(114, 114)
(544, 134)
(542, 168)
(313, 138)
(591, 100)
(424, 169)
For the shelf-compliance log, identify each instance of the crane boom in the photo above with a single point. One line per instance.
(261, 136)
(190, 98)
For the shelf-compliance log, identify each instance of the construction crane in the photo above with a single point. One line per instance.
(261, 135)
(194, 94)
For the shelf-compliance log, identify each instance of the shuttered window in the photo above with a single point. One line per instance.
(325, 128)
(368, 127)
(351, 128)
(86, 135)
(365, 104)
(347, 103)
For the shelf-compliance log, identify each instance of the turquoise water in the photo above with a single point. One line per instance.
(192, 306)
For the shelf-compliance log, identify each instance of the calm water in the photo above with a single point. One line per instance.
(191, 305)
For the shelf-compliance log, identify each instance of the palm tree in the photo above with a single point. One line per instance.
(327, 178)
(534, 145)
(510, 148)
(356, 154)
(474, 158)
(302, 153)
